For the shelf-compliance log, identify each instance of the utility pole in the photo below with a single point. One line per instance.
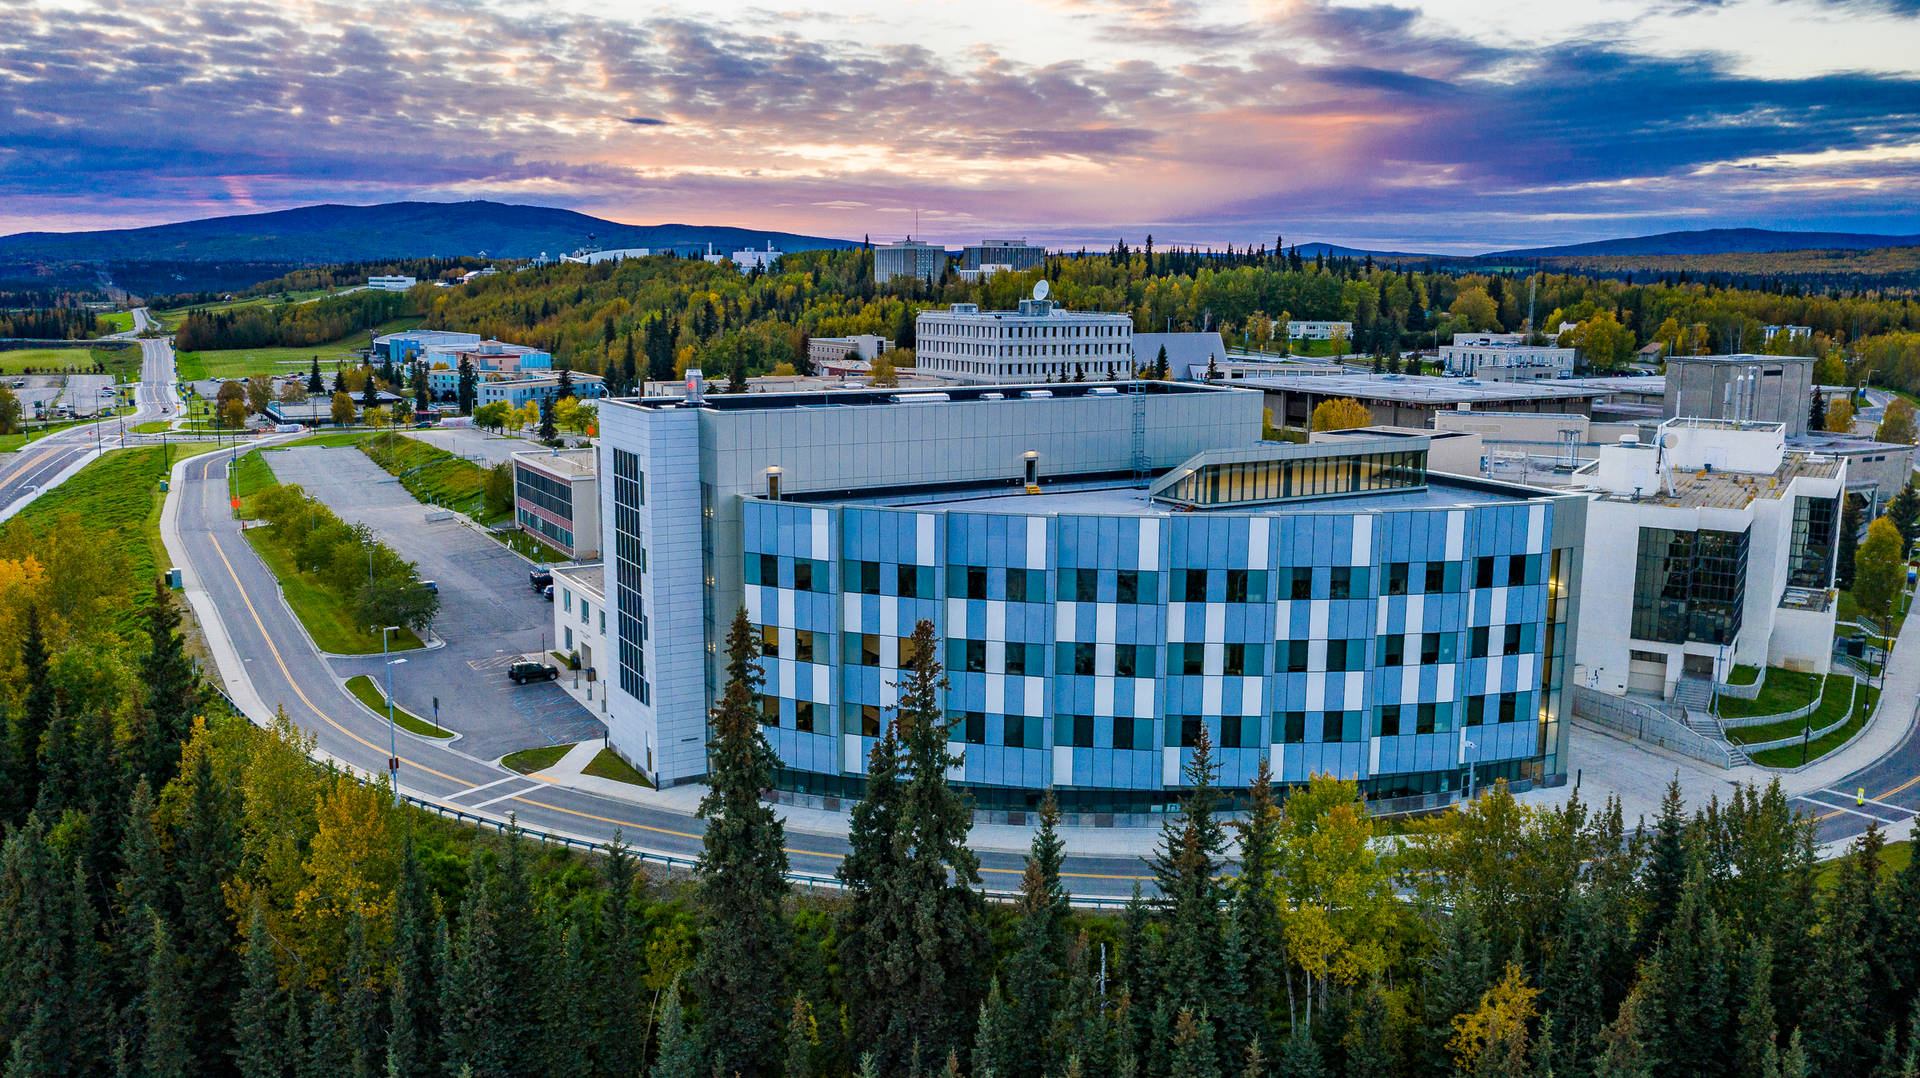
(393, 740)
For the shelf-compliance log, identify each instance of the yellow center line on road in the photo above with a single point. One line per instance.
(1902, 788)
(206, 477)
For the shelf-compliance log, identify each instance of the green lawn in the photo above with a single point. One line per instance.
(1784, 691)
(1791, 755)
(116, 500)
(1832, 706)
(365, 691)
(329, 439)
(244, 362)
(527, 761)
(1744, 675)
(251, 474)
(121, 361)
(327, 617)
(606, 765)
(428, 472)
(154, 427)
(117, 321)
(528, 547)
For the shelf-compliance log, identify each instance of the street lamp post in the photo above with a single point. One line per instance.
(1472, 748)
(393, 739)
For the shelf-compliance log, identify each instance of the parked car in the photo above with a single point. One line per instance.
(547, 593)
(540, 577)
(523, 672)
(431, 585)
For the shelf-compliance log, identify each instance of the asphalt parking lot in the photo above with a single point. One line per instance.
(488, 613)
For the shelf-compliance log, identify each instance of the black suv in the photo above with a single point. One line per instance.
(539, 578)
(521, 673)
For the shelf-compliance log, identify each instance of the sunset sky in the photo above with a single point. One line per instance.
(1446, 125)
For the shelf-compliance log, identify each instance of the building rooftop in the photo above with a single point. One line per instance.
(1640, 384)
(566, 463)
(590, 578)
(1420, 389)
(853, 398)
(1712, 489)
(1130, 498)
(1740, 357)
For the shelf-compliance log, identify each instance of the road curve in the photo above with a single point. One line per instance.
(270, 662)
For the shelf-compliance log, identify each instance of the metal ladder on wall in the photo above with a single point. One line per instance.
(1138, 391)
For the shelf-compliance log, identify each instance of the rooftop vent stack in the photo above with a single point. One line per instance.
(1032, 460)
(696, 385)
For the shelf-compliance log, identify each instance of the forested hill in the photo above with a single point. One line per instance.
(1708, 241)
(331, 233)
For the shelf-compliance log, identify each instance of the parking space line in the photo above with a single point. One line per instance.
(1850, 811)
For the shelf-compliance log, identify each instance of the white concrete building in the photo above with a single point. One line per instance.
(748, 260)
(1318, 331)
(983, 272)
(391, 284)
(846, 355)
(909, 258)
(594, 258)
(1710, 548)
(1037, 343)
(1504, 357)
(580, 631)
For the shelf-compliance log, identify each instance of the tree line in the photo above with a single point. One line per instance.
(289, 325)
(182, 893)
(50, 323)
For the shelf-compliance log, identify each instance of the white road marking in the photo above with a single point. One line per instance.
(510, 795)
(477, 789)
(1852, 811)
(1845, 796)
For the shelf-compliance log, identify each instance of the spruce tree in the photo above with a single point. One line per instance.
(360, 1004)
(1457, 975)
(739, 974)
(206, 846)
(1193, 1055)
(996, 1048)
(1817, 412)
(89, 983)
(547, 431)
(170, 680)
(565, 386)
(464, 391)
(1623, 1052)
(412, 1033)
(1840, 989)
(1255, 898)
(803, 1034)
(1666, 873)
(919, 940)
(1035, 969)
(1755, 1031)
(257, 1031)
(327, 1052)
(1688, 1021)
(568, 1035)
(163, 1003)
(476, 994)
(1904, 511)
(679, 1045)
(28, 725)
(1300, 1058)
(1187, 869)
(1366, 1040)
(314, 382)
(620, 958)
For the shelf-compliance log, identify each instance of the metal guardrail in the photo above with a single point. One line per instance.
(1642, 723)
(671, 863)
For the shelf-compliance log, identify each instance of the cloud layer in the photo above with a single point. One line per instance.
(1373, 124)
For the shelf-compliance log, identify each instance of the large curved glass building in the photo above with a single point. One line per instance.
(1110, 569)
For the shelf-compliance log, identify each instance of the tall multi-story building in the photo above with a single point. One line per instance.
(1741, 388)
(1039, 342)
(1107, 574)
(1709, 548)
(556, 499)
(1015, 255)
(908, 258)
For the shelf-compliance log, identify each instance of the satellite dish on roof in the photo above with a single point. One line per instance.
(1040, 289)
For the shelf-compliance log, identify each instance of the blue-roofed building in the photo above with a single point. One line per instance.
(410, 344)
(1109, 572)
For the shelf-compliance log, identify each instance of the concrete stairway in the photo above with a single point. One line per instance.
(1692, 704)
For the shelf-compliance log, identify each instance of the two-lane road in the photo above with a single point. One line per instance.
(42, 462)
(280, 662)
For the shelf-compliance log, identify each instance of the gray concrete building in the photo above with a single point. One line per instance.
(908, 258)
(1410, 400)
(1742, 388)
(1016, 255)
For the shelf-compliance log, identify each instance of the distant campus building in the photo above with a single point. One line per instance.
(1039, 342)
(1108, 575)
(909, 258)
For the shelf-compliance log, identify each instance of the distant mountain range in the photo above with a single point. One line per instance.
(1715, 241)
(319, 235)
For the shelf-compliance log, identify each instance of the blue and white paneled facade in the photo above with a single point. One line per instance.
(1319, 608)
(1085, 652)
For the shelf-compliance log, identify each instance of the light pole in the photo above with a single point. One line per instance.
(393, 739)
(1475, 750)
